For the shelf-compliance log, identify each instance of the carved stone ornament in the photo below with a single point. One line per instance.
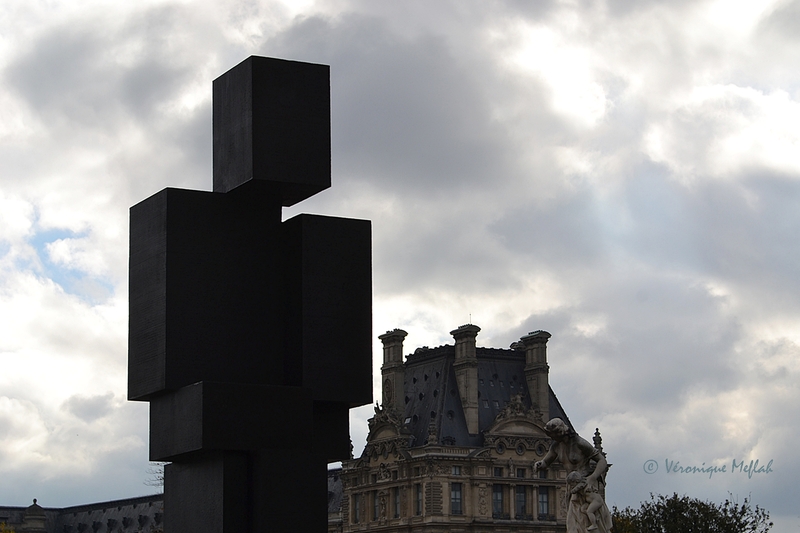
(516, 408)
(387, 434)
(501, 443)
(382, 505)
(384, 416)
(430, 467)
(483, 506)
(387, 391)
(432, 436)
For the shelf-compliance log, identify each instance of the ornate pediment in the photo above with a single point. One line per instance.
(517, 427)
(387, 434)
(385, 424)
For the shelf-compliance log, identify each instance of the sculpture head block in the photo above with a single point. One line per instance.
(272, 124)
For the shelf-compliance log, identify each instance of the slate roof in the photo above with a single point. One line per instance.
(335, 490)
(431, 393)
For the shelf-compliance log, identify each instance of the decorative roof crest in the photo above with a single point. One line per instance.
(515, 408)
(384, 416)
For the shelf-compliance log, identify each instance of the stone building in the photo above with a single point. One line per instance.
(131, 515)
(453, 445)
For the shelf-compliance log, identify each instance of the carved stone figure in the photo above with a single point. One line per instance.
(382, 506)
(589, 501)
(482, 501)
(387, 392)
(589, 466)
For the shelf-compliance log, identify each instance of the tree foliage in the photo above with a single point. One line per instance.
(4, 528)
(681, 514)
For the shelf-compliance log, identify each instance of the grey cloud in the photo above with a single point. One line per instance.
(83, 462)
(413, 118)
(406, 113)
(89, 408)
(742, 234)
(622, 8)
(759, 240)
(83, 72)
(785, 20)
(565, 231)
(660, 340)
(110, 89)
(58, 74)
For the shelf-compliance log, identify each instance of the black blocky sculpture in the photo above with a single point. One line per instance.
(251, 337)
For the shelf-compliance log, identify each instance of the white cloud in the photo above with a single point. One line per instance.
(727, 131)
(80, 254)
(566, 68)
(23, 431)
(16, 219)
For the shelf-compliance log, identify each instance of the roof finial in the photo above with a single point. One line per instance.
(598, 440)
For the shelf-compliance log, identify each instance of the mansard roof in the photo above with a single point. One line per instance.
(431, 393)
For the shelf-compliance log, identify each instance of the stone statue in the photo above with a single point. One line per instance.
(589, 501)
(586, 512)
(382, 506)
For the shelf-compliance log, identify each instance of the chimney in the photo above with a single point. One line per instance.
(392, 370)
(466, 369)
(536, 371)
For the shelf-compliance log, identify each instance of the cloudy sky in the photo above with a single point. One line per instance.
(623, 174)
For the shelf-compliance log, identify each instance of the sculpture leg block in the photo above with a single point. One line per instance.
(208, 495)
(290, 493)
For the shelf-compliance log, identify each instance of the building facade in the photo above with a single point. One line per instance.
(131, 515)
(453, 445)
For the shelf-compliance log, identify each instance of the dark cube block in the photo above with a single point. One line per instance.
(331, 431)
(210, 416)
(205, 288)
(272, 123)
(289, 494)
(211, 495)
(328, 334)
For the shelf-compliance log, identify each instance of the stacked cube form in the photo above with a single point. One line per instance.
(251, 337)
